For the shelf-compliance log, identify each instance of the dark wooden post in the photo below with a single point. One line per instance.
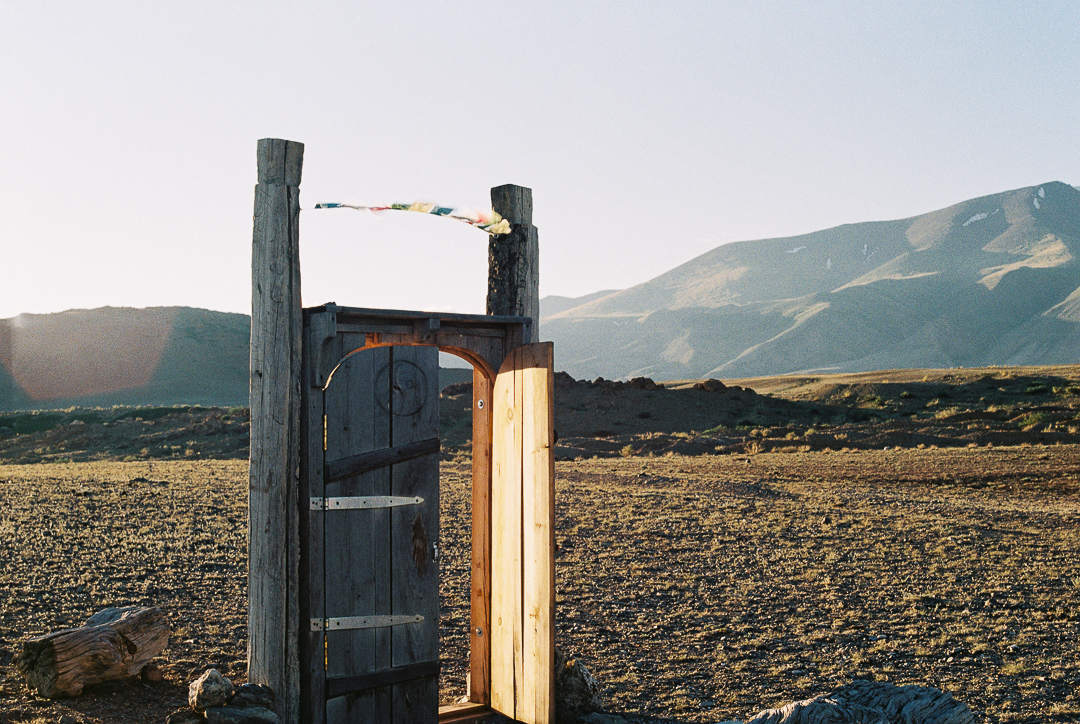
(514, 260)
(276, 329)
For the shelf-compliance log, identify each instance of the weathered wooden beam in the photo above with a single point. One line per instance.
(276, 329)
(374, 459)
(514, 260)
(113, 644)
(342, 685)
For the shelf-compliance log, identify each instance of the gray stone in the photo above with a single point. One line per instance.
(210, 689)
(241, 715)
(253, 695)
(577, 692)
(871, 702)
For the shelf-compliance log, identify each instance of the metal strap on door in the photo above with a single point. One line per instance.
(356, 465)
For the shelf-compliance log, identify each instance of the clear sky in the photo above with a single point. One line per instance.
(649, 132)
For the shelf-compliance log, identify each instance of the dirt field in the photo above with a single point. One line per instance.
(697, 589)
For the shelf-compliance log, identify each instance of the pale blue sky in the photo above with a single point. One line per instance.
(649, 132)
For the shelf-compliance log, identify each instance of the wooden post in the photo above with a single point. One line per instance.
(276, 329)
(480, 609)
(514, 260)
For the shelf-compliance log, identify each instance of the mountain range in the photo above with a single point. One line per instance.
(990, 281)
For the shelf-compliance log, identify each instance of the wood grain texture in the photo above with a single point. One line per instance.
(514, 260)
(513, 203)
(480, 579)
(356, 541)
(374, 459)
(414, 403)
(535, 379)
(523, 544)
(114, 644)
(311, 572)
(276, 328)
(506, 501)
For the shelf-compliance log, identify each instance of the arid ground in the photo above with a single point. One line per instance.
(704, 573)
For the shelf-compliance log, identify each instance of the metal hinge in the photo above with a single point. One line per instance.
(348, 623)
(362, 502)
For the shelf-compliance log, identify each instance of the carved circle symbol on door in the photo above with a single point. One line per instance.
(401, 388)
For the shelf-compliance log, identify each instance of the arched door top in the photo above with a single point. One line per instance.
(483, 340)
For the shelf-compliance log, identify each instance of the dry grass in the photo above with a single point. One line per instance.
(696, 589)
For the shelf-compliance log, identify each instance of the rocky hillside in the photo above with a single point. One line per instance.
(993, 280)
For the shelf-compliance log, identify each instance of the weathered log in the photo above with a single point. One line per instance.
(113, 644)
(871, 702)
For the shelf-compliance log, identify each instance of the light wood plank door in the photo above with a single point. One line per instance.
(522, 537)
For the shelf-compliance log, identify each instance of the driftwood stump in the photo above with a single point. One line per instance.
(115, 643)
(871, 702)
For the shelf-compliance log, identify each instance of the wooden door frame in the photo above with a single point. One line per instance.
(281, 378)
(333, 333)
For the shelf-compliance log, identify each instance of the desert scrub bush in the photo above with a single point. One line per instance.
(905, 394)
(1035, 388)
(1034, 418)
(626, 451)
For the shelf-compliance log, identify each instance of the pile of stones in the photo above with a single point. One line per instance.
(214, 700)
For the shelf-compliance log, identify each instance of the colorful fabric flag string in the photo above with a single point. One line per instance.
(492, 223)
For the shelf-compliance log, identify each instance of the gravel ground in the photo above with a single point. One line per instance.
(697, 589)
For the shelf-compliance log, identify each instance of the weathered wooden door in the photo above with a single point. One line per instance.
(380, 533)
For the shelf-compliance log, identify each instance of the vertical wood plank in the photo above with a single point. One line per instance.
(312, 530)
(276, 329)
(514, 259)
(535, 376)
(480, 578)
(356, 577)
(506, 503)
(415, 537)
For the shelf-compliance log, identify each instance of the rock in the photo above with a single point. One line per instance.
(872, 702)
(253, 695)
(241, 715)
(184, 716)
(577, 692)
(210, 689)
(710, 385)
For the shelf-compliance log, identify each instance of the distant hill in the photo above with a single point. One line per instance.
(158, 356)
(553, 304)
(990, 281)
(122, 356)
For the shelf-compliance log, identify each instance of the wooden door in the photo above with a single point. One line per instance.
(380, 528)
(523, 540)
